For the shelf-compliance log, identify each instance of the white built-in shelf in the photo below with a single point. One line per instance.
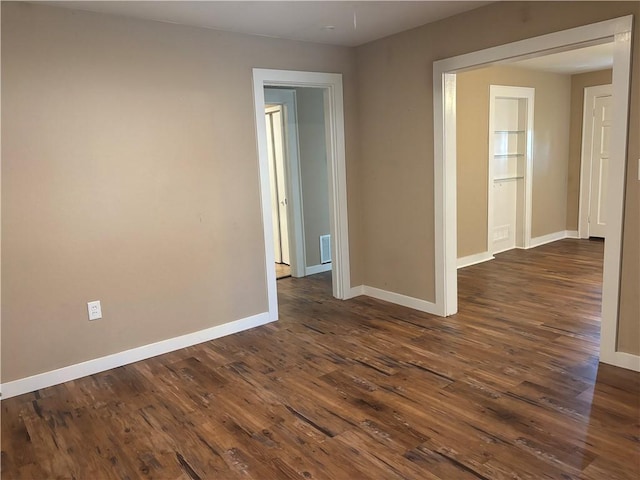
(509, 131)
(509, 155)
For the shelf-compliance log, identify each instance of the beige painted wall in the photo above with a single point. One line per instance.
(550, 151)
(396, 139)
(313, 170)
(130, 175)
(578, 84)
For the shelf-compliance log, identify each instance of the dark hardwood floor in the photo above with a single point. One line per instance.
(508, 388)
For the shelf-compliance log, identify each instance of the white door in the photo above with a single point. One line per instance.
(601, 132)
(279, 202)
(275, 217)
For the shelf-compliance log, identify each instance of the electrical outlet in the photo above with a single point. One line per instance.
(95, 310)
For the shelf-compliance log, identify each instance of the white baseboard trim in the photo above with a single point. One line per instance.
(550, 237)
(621, 359)
(474, 259)
(354, 292)
(312, 270)
(399, 299)
(72, 372)
(553, 237)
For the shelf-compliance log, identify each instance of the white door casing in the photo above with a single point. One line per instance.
(596, 137)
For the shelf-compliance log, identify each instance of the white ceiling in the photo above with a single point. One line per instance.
(588, 59)
(348, 23)
(294, 20)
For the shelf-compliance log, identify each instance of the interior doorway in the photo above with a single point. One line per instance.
(286, 189)
(330, 86)
(297, 147)
(617, 31)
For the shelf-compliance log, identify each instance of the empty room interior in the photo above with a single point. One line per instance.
(320, 240)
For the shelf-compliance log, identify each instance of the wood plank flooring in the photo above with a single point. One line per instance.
(508, 388)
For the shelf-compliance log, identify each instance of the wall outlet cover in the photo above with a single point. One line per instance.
(95, 310)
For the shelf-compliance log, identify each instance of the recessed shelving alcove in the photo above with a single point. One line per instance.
(510, 157)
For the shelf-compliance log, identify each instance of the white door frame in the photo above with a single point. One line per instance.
(287, 98)
(527, 93)
(585, 159)
(618, 31)
(331, 83)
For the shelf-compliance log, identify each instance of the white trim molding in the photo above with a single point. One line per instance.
(553, 237)
(97, 365)
(534, 242)
(396, 298)
(399, 299)
(313, 269)
(474, 259)
(331, 83)
(356, 291)
(621, 359)
(617, 31)
(548, 238)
